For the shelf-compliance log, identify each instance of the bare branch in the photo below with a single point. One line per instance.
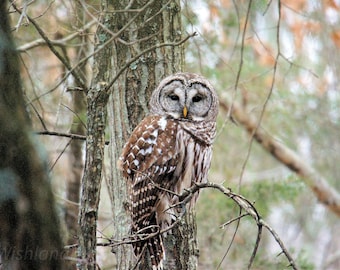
(247, 206)
(59, 156)
(58, 42)
(238, 75)
(269, 93)
(241, 201)
(66, 135)
(185, 197)
(256, 246)
(144, 52)
(61, 134)
(55, 52)
(101, 47)
(278, 240)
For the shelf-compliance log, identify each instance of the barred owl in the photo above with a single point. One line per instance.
(167, 152)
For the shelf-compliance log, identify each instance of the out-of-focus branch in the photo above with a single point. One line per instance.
(52, 48)
(326, 194)
(59, 42)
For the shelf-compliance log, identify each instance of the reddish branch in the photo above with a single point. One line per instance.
(326, 194)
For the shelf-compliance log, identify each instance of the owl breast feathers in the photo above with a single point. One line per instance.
(167, 152)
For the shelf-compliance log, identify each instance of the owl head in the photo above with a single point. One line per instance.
(186, 97)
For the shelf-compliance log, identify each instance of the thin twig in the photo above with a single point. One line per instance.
(238, 75)
(52, 48)
(256, 246)
(59, 156)
(185, 197)
(269, 93)
(247, 206)
(282, 246)
(233, 220)
(235, 90)
(59, 42)
(66, 135)
(61, 134)
(232, 239)
(171, 44)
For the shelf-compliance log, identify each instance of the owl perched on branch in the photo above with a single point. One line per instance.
(168, 151)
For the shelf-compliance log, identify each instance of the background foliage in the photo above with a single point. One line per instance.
(241, 47)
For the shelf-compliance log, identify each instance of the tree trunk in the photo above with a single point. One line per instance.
(97, 98)
(156, 23)
(29, 228)
(76, 154)
(95, 141)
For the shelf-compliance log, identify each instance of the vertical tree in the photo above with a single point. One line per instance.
(29, 231)
(138, 45)
(142, 57)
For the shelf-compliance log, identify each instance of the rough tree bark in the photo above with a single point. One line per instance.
(97, 98)
(143, 27)
(137, 47)
(95, 141)
(29, 230)
(76, 154)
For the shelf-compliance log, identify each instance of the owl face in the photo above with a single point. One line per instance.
(185, 96)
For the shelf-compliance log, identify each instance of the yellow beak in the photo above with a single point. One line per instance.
(185, 111)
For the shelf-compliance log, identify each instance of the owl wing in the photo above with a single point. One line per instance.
(150, 151)
(148, 162)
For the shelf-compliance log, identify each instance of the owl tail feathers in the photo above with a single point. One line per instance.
(155, 248)
(156, 251)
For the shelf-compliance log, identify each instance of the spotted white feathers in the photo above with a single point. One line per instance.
(166, 153)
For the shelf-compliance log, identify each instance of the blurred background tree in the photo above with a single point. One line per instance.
(278, 59)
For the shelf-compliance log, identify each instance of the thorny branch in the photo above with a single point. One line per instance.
(244, 204)
(249, 208)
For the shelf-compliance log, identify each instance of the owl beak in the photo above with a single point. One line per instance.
(185, 111)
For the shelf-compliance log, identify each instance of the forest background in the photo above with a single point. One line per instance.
(276, 61)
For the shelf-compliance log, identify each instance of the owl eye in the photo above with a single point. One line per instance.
(173, 97)
(197, 98)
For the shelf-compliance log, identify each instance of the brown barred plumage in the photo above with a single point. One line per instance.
(167, 152)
